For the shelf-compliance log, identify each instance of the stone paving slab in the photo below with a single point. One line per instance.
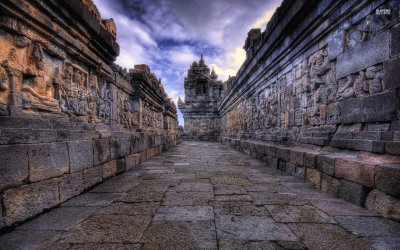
(218, 198)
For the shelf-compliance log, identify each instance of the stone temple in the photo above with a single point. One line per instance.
(299, 150)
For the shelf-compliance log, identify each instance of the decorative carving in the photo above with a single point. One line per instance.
(319, 66)
(110, 26)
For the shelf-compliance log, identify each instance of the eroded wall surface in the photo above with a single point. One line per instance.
(319, 95)
(69, 117)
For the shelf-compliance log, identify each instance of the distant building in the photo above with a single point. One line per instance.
(203, 91)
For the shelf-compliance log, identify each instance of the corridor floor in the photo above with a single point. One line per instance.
(204, 195)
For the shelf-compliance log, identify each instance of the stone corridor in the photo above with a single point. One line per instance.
(202, 195)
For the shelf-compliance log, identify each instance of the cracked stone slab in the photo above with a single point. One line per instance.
(108, 228)
(92, 200)
(326, 236)
(229, 189)
(123, 208)
(244, 197)
(252, 228)
(229, 181)
(188, 198)
(180, 235)
(369, 226)
(239, 208)
(263, 198)
(268, 188)
(193, 187)
(339, 207)
(142, 196)
(63, 218)
(184, 213)
(304, 213)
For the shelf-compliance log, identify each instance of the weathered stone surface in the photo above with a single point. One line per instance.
(329, 184)
(229, 190)
(380, 107)
(392, 147)
(383, 204)
(80, 155)
(335, 207)
(392, 79)
(366, 54)
(109, 169)
(387, 179)
(61, 219)
(109, 228)
(369, 226)
(356, 171)
(197, 235)
(251, 228)
(313, 176)
(326, 236)
(92, 176)
(132, 160)
(246, 244)
(32, 239)
(14, 165)
(92, 200)
(193, 187)
(47, 160)
(101, 151)
(187, 198)
(352, 192)
(146, 208)
(184, 213)
(326, 164)
(28, 200)
(239, 208)
(71, 185)
(304, 213)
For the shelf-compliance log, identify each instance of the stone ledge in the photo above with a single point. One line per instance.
(349, 175)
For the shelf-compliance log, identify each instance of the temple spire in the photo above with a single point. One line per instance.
(201, 59)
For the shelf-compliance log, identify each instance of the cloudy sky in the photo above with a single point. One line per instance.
(168, 35)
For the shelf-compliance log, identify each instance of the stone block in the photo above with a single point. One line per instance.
(20, 136)
(282, 165)
(383, 204)
(326, 164)
(381, 107)
(290, 168)
(352, 192)
(14, 165)
(68, 135)
(101, 151)
(92, 176)
(132, 160)
(28, 200)
(297, 157)
(47, 160)
(363, 55)
(329, 185)
(395, 38)
(283, 153)
(121, 165)
(310, 159)
(109, 169)
(313, 176)
(270, 150)
(392, 147)
(300, 172)
(120, 147)
(356, 171)
(366, 145)
(71, 185)
(1, 215)
(350, 110)
(387, 178)
(134, 145)
(80, 155)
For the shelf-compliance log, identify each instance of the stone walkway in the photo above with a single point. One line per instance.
(205, 196)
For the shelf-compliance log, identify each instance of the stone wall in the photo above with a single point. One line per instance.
(69, 117)
(318, 96)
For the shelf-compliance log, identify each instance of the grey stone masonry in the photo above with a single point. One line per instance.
(70, 118)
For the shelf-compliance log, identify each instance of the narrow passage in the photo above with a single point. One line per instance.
(202, 195)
